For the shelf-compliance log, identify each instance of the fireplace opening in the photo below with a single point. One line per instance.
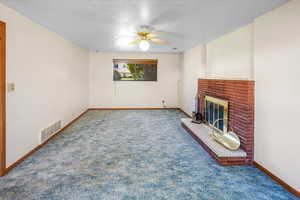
(216, 109)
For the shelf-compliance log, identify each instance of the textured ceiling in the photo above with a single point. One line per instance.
(99, 24)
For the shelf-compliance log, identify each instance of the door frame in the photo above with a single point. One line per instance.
(3, 100)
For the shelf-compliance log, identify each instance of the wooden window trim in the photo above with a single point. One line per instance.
(2, 99)
(135, 61)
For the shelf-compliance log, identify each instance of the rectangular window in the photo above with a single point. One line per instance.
(134, 70)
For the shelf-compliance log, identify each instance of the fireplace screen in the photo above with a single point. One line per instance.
(216, 109)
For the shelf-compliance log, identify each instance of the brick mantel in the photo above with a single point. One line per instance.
(240, 95)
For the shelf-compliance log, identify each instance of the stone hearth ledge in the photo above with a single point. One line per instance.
(202, 131)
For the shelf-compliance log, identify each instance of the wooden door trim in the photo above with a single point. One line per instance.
(3, 100)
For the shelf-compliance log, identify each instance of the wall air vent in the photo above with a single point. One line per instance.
(48, 132)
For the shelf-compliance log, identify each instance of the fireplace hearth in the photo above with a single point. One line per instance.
(232, 99)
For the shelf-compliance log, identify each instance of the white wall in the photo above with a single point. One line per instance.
(105, 93)
(268, 51)
(231, 56)
(277, 70)
(51, 77)
(193, 67)
(227, 57)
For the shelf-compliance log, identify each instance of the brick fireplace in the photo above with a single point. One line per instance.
(240, 97)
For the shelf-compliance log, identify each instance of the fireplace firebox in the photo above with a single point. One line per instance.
(215, 109)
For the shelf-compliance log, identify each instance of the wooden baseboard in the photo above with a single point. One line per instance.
(278, 180)
(41, 145)
(185, 113)
(171, 108)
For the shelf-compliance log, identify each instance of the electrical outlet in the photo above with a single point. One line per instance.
(163, 103)
(11, 87)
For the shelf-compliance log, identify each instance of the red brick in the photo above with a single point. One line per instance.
(240, 95)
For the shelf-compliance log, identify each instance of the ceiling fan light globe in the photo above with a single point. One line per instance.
(144, 45)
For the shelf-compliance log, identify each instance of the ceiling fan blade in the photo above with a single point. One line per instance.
(168, 33)
(134, 42)
(151, 35)
(156, 32)
(159, 41)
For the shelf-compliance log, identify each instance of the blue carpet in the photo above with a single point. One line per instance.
(132, 155)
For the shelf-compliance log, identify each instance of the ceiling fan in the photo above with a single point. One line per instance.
(146, 34)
